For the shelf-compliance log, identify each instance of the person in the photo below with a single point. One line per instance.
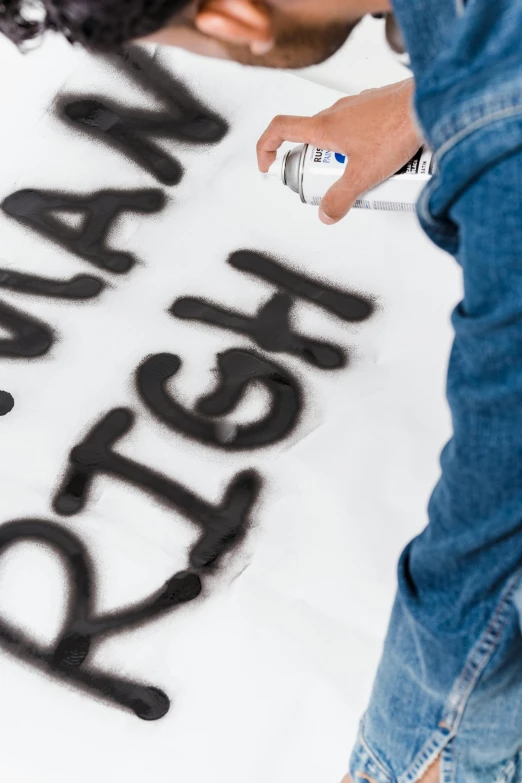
(276, 34)
(447, 699)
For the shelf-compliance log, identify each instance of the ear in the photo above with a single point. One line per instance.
(240, 22)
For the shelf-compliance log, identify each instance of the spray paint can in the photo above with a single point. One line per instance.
(310, 172)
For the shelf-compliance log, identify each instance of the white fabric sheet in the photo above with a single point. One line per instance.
(269, 671)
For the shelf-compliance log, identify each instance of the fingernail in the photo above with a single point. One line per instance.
(323, 217)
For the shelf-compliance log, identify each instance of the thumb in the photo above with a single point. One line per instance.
(341, 197)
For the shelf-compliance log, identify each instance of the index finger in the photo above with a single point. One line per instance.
(281, 129)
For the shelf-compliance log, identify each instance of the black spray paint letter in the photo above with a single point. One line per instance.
(78, 287)
(67, 660)
(30, 337)
(271, 327)
(36, 209)
(238, 369)
(223, 525)
(178, 117)
(6, 403)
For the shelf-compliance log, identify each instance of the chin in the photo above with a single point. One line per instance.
(281, 58)
(298, 48)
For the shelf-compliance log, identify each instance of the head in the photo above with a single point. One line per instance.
(273, 33)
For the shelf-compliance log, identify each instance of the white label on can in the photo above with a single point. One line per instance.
(322, 169)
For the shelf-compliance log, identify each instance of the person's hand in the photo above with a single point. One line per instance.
(431, 776)
(375, 130)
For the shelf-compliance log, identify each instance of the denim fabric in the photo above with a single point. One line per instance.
(450, 680)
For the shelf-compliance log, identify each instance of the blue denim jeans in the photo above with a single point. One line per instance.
(450, 679)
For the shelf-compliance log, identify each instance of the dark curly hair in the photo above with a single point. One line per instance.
(103, 25)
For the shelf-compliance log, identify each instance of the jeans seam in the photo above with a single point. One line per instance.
(371, 754)
(479, 658)
(506, 772)
(460, 7)
(447, 765)
(427, 755)
(501, 114)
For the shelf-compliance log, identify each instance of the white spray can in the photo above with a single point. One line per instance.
(310, 172)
